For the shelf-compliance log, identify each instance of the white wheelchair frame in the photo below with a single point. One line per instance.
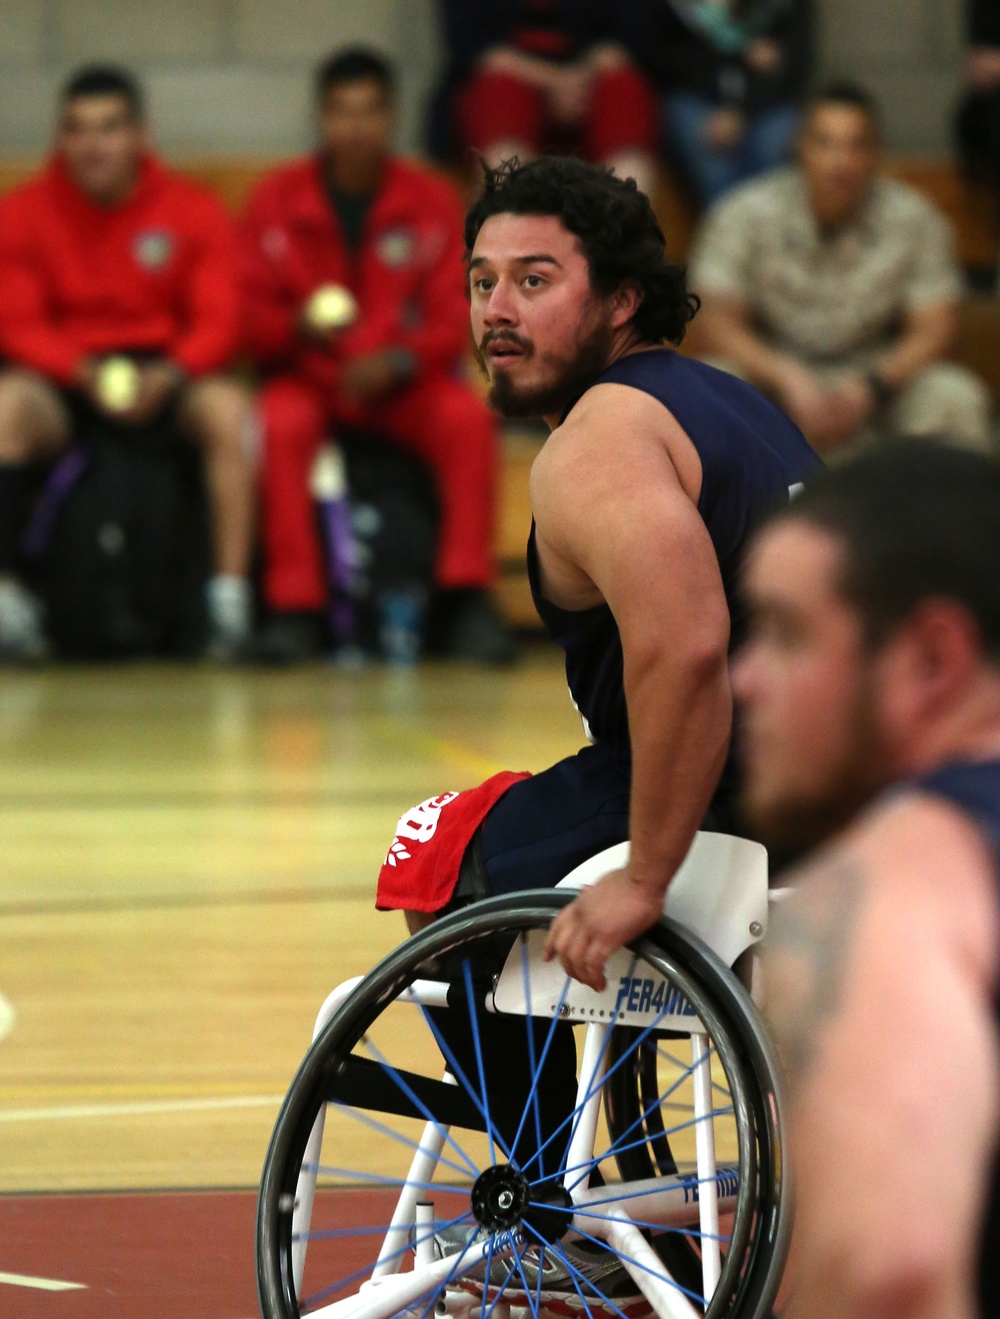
(720, 894)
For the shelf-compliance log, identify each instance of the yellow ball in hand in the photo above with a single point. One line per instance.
(118, 384)
(331, 307)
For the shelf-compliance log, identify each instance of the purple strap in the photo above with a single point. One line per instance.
(340, 564)
(61, 481)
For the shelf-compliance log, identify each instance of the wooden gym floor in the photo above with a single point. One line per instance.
(187, 866)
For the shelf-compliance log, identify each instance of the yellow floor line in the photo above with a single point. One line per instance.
(23, 1095)
(70, 1112)
(40, 1284)
(7, 1016)
(452, 754)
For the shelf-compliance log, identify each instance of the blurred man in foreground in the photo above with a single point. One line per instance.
(870, 692)
(109, 256)
(835, 290)
(357, 316)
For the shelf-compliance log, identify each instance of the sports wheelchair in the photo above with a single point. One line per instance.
(473, 1134)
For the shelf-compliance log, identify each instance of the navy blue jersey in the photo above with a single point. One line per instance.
(751, 457)
(974, 787)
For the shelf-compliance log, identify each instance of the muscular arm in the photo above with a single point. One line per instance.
(725, 325)
(878, 988)
(928, 333)
(615, 523)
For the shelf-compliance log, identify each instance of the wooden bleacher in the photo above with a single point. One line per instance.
(972, 211)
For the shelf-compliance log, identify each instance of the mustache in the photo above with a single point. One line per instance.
(504, 336)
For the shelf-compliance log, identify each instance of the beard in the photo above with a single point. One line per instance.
(567, 378)
(794, 821)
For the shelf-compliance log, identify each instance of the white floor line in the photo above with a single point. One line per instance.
(7, 1016)
(41, 1284)
(67, 1112)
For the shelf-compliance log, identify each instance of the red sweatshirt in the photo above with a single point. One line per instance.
(407, 275)
(157, 273)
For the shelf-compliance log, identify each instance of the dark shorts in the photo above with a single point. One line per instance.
(545, 826)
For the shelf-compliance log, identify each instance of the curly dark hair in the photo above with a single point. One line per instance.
(616, 227)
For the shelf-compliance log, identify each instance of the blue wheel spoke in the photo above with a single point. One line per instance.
(415, 1099)
(694, 1296)
(541, 1268)
(592, 1085)
(618, 1148)
(364, 1117)
(531, 1104)
(357, 1174)
(533, 1092)
(574, 1272)
(334, 1233)
(502, 1288)
(658, 1102)
(477, 1044)
(361, 1273)
(435, 1292)
(677, 1062)
(639, 1195)
(575, 1211)
(486, 1286)
(453, 1065)
(518, 1256)
(574, 1116)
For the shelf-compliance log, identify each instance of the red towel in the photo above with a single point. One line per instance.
(421, 870)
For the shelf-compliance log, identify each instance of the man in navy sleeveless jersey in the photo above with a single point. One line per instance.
(870, 694)
(655, 472)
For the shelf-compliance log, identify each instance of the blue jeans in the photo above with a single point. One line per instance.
(767, 142)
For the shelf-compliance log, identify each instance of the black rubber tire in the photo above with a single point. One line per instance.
(761, 1228)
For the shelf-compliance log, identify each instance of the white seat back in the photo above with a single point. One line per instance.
(719, 892)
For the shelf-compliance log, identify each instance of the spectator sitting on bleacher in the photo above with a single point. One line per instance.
(108, 253)
(978, 124)
(356, 314)
(835, 289)
(732, 75)
(527, 76)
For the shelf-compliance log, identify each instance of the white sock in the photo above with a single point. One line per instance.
(20, 614)
(230, 605)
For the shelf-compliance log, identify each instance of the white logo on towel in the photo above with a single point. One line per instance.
(418, 825)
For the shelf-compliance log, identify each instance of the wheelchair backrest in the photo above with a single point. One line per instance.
(719, 893)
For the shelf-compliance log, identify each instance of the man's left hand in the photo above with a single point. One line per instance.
(373, 376)
(605, 916)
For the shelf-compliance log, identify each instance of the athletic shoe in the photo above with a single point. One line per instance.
(292, 637)
(597, 1272)
(466, 625)
(22, 634)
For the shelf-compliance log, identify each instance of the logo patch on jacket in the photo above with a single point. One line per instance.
(153, 248)
(396, 247)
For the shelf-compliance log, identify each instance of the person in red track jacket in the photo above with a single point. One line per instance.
(107, 254)
(356, 315)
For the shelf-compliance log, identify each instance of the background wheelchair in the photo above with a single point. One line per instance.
(473, 1134)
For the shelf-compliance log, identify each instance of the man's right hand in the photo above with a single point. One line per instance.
(319, 336)
(158, 380)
